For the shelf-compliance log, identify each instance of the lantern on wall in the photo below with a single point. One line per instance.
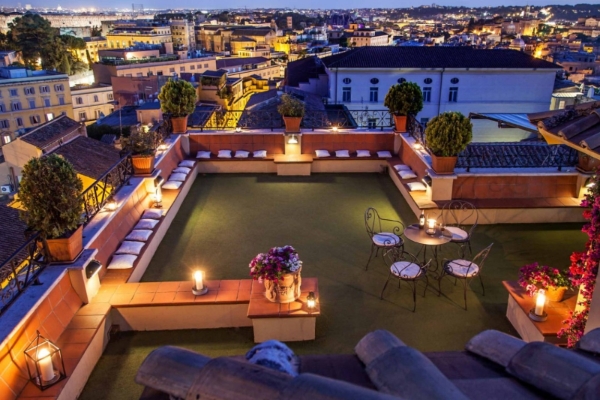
(44, 362)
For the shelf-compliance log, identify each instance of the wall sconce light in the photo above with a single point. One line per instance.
(590, 182)
(335, 129)
(198, 288)
(158, 181)
(431, 223)
(157, 197)
(427, 180)
(44, 362)
(311, 301)
(538, 313)
(293, 140)
(111, 205)
(92, 267)
(417, 146)
(238, 129)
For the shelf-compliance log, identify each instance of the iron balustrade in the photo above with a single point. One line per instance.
(416, 129)
(94, 198)
(270, 119)
(516, 155)
(21, 269)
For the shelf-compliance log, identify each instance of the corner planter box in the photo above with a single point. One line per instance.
(68, 248)
(443, 165)
(179, 124)
(142, 165)
(292, 124)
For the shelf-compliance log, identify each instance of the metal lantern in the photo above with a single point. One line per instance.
(311, 301)
(430, 229)
(44, 362)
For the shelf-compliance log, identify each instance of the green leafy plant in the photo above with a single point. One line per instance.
(448, 134)
(405, 98)
(49, 192)
(177, 98)
(290, 107)
(141, 142)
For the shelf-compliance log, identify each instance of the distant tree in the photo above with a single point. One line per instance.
(89, 58)
(96, 31)
(31, 34)
(343, 41)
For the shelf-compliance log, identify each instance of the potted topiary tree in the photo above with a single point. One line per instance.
(142, 144)
(447, 135)
(402, 100)
(50, 194)
(292, 111)
(178, 98)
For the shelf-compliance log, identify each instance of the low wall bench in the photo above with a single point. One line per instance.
(293, 164)
(517, 312)
(286, 322)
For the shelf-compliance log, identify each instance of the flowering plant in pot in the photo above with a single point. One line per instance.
(279, 269)
(142, 144)
(555, 282)
(292, 111)
(447, 135)
(178, 98)
(50, 194)
(402, 100)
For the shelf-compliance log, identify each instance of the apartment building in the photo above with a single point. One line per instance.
(91, 102)
(182, 32)
(129, 34)
(218, 38)
(241, 67)
(92, 46)
(30, 98)
(369, 37)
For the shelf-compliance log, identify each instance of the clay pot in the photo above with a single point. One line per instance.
(142, 165)
(68, 248)
(443, 165)
(286, 290)
(179, 124)
(400, 121)
(292, 124)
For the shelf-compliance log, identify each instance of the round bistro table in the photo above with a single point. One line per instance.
(415, 234)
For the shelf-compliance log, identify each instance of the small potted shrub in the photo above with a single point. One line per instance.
(142, 145)
(447, 135)
(280, 270)
(50, 194)
(178, 98)
(292, 111)
(555, 282)
(402, 100)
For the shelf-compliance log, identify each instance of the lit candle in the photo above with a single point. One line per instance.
(198, 284)
(431, 223)
(539, 302)
(45, 363)
(311, 301)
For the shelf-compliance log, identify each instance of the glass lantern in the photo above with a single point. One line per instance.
(44, 362)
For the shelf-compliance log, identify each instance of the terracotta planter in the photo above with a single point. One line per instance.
(179, 124)
(286, 290)
(142, 165)
(400, 121)
(68, 248)
(292, 124)
(555, 293)
(443, 165)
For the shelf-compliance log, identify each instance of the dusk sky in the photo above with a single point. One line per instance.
(275, 3)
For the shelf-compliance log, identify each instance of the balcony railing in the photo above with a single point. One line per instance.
(271, 120)
(416, 129)
(20, 270)
(94, 198)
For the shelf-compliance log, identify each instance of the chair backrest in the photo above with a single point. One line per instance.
(480, 257)
(373, 224)
(460, 213)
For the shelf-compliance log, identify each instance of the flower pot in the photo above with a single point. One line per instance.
(142, 165)
(400, 121)
(67, 248)
(443, 165)
(555, 293)
(179, 124)
(292, 124)
(286, 290)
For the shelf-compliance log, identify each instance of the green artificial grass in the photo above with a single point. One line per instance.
(227, 219)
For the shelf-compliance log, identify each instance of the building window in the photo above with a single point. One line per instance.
(181, 69)
(150, 73)
(346, 95)
(424, 121)
(61, 101)
(109, 96)
(2, 108)
(401, 80)
(31, 103)
(82, 116)
(6, 138)
(4, 124)
(97, 113)
(171, 70)
(96, 98)
(374, 81)
(19, 121)
(139, 74)
(453, 94)
(427, 94)
(49, 117)
(205, 65)
(347, 81)
(192, 67)
(13, 92)
(79, 100)
(428, 81)
(46, 102)
(16, 106)
(59, 88)
(35, 119)
(374, 95)
(199, 66)
(159, 73)
(454, 81)
(29, 90)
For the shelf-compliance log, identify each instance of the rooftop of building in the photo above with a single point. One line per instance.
(94, 38)
(434, 57)
(21, 74)
(13, 229)
(301, 71)
(238, 61)
(50, 131)
(90, 157)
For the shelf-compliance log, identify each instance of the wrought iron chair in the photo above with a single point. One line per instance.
(386, 239)
(406, 267)
(456, 215)
(464, 271)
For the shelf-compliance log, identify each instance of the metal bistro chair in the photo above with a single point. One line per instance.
(386, 239)
(465, 271)
(455, 216)
(405, 267)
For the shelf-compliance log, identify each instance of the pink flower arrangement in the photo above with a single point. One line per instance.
(534, 276)
(274, 264)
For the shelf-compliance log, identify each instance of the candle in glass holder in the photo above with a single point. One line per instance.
(198, 284)
(540, 301)
(45, 363)
(431, 226)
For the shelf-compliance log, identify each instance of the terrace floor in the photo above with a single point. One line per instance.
(227, 219)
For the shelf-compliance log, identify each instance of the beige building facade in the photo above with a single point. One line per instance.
(92, 102)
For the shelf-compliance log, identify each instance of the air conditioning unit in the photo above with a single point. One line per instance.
(6, 189)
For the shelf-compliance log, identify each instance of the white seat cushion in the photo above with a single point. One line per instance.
(384, 154)
(152, 213)
(458, 235)
(128, 247)
(363, 153)
(172, 185)
(386, 239)
(342, 153)
(139, 235)
(407, 174)
(177, 177)
(259, 154)
(146, 224)
(402, 167)
(241, 154)
(122, 261)
(182, 170)
(187, 164)
(406, 269)
(203, 154)
(224, 154)
(462, 268)
(322, 153)
(416, 186)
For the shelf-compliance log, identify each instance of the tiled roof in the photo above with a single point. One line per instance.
(89, 157)
(252, 32)
(261, 97)
(50, 131)
(302, 70)
(13, 230)
(434, 57)
(233, 62)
